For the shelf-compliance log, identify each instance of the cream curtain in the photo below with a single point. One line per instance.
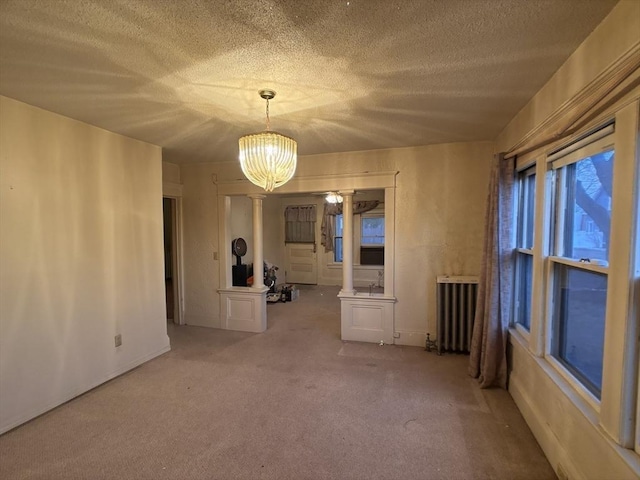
(332, 209)
(300, 224)
(488, 361)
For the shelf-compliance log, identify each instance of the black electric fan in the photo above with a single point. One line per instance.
(240, 272)
(239, 249)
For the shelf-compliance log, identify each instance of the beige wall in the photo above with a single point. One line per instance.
(241, 225)
(171, 173)
(565, 426)
(200, 242)
(81, 258)
(440, 203)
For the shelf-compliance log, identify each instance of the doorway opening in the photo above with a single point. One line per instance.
(171, 270)
(361, 311)
(301, 240)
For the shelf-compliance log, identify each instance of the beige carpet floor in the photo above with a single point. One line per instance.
(292, 403)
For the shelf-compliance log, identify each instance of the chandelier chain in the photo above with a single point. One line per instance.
(268, 120)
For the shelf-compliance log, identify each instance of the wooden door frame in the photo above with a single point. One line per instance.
(174, 193)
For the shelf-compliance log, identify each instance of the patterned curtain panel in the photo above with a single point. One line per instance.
(332, 209)
(488, 360)
(300, 224)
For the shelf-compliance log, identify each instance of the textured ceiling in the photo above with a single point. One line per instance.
(349, 74)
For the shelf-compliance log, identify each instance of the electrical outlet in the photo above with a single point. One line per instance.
(215, 255)
(118, 340)
(396, 334)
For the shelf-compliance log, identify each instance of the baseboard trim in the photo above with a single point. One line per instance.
(410, 338)
(547, 440)
(207, 321)
(70, 395)
(558, 456)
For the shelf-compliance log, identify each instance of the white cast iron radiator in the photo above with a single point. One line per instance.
(456, 305)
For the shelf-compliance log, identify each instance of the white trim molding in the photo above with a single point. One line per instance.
(582, 107)
(170, 189)
(315, 183)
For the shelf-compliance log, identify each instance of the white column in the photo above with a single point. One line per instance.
(258, 251)
(347, 242)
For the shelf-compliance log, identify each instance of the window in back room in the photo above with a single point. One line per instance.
(372, 239)
(369, 240)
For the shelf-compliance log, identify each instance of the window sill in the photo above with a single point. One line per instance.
(524, 333)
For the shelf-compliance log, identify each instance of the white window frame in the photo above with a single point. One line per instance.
(362, 218)
(618, 408)
(618, 411)
(357, 238)
(334, 219)
(587, 147)
(521, 201)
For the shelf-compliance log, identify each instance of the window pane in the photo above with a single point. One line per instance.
(527, 187)
(338, 249)
(372, 231)
(524, 272)
(338, 225)
(578, 319)
(337, 239)
(529, 204)
(588, 207)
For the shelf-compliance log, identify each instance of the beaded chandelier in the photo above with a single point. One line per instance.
(268, 159)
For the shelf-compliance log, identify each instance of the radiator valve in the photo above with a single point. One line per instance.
(429, 344)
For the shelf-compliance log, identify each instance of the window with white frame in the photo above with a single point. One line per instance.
(579, 270)
(372, 239)
(337, 238)
(526, 185)
(369, 238)
(372, 230)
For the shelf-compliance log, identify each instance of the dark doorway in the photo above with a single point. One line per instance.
(170, 277)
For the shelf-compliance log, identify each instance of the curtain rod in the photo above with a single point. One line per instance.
(587, 108)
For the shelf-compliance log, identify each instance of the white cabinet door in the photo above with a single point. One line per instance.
(301, 263)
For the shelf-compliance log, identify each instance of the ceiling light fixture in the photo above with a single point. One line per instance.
(268, 159)
(333, 197)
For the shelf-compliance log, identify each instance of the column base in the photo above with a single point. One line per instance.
(244, 309)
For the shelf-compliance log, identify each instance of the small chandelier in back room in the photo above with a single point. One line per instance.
(333, 197)
(268, 159)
